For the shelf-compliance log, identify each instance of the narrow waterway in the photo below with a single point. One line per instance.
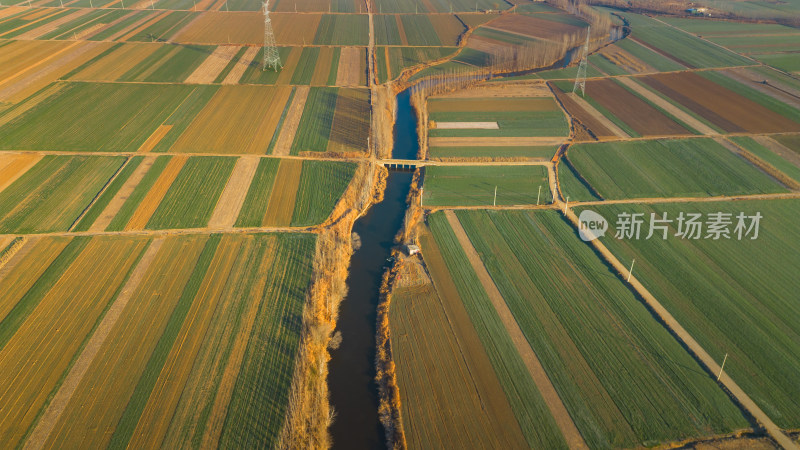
(351, 379)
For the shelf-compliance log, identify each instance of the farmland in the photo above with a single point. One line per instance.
(680, 168)
(52, 194)
(431, 329)
(195, 243)
(607, 410)
(533, 417)
(515, 117)
(317, 186)
(254, 282)
(732, 295)
(475, 185)
(57, 122)
(326, 107)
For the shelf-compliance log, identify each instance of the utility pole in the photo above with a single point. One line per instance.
(494, 203)
(630, 272)
(539, 195)
(722, 367)
(566, 205)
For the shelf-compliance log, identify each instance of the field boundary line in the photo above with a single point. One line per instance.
(55, 409)
(230, 202)
(537, 372)
(683, 336)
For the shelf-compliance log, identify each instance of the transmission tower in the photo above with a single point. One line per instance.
(580, 78)
(271, 57)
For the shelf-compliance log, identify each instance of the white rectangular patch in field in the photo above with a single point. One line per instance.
(467, 126)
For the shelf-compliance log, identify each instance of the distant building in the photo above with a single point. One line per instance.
(697, 10)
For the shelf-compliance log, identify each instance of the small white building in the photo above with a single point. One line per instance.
(412, 249)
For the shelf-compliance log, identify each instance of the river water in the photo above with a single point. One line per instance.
(351, 378)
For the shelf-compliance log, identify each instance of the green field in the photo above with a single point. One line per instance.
(788, 62)
(120, 116)
(170, 63)
(343, 29)
(735, 297)
(646, 55)
(668, 168)
(434, 6)
(322, 184)
(314, 130)
(724, 28)
(515, 117)
(532, 414)
(420, 31)
(573, 185)
(767, 155)
(682, 46)
(257, 198)
(537, 152)
(54, 193)
(624, 379)
(193, 195)
(475, 185)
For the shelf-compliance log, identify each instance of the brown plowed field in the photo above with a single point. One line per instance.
(585, 118)
(720, 106)
(351, 67)
(350, 122)
(638, 114)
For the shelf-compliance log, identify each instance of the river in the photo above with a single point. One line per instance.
(351, 378)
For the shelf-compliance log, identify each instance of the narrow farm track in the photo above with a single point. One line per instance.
(537, 372)
(686, 339)
(70, 384)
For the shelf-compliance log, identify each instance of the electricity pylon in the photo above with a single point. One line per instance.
(580, 79)
(271, 57)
